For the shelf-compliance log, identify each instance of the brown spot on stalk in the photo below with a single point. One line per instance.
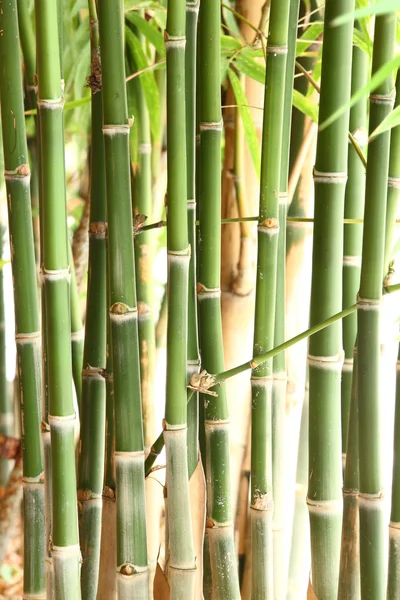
(127, 570)
(24, 170)
(262, 501)
(109, 493)
(119, 308)
(98, 227)
(84, 495)
(138, 221)
(94, 80)
(270, 223)
(210, 523)
(253, 365)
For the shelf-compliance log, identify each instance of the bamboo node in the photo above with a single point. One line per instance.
(262, 501)
(352, 261)
(174, 41)
(112, 130)
(211, 126)
(109, 492)
(332, 363)
(144, 310)
(210, 523)
(205, 292)
(84, 495)
(119, 308)
(382, 98)
(202, 382)
(327, 177)
(394, 182)
(277, 50)
(138, 222)
(21, 171)
(98, 229)
(368, 304)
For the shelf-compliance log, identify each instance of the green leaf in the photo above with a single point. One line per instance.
(248, 123)
(230, 20)
(377, 8)
(379, 77)
(147, 80)
(151, 34)
(390, 121)
(309, 37)
(362, 40)
(250, 67)
(305, 105)
(230, 43)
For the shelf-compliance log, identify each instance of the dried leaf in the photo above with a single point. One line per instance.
(310, 592)
(197, 491)
(161, 585)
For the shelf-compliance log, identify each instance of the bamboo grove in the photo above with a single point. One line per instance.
(199, 341)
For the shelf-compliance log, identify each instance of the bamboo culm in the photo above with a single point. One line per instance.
(371, 502)
(132, 568)
(182, 566)
(93, 404)
(325, 358)
(27, 323)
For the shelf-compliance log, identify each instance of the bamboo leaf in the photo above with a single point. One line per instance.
(305, 105)
(376, 80)
(378, 8)
(248, 124)
(249, 67)
(392, 120)
(230, 20)
(308, 37)
(362, 40)
(150, 33)
(147, 81)
(230, 43)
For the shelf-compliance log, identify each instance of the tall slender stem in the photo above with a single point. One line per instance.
(371, 502)
(132, 569)
(93, 405)
(27, 324)
(181, 572)
(325, 350)
(261, 500)
(193, 357)
(225, 582)
(353, 209)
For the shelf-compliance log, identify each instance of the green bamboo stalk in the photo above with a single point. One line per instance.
(77, 333)
(65, 551)
(93, 407)
(193, 356)
(261, 500)
(349, 575)
(108, 555)
(393, 589)
(393, 193)
(325, 351)
(371, 502)
(393, 585)
(182, 565)
(6, 404)
(353, 209)
(143, 204)
(27, 326)
(132, 569)
(279, 384)
(219, 526)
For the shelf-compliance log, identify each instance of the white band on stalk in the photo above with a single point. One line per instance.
(368, 304)
(27, 338)
(112, 130)
(330, 363)
(51, 103)
(211, 126)
(394, 182)
(277, 49)
(56, 274)
(327, 177)
(352, 261)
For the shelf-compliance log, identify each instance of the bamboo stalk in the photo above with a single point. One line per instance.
(325, 358)
(349, 576)
(132, 568)
(261, 499)
(193, 356)
(219, 525)
(393, 589)
(353, 209)
(371, 502)
(65, 551)
(279, 384)
(27, 326)
(6, 404)
(77, 332)
(93, 406)
(182, 564)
